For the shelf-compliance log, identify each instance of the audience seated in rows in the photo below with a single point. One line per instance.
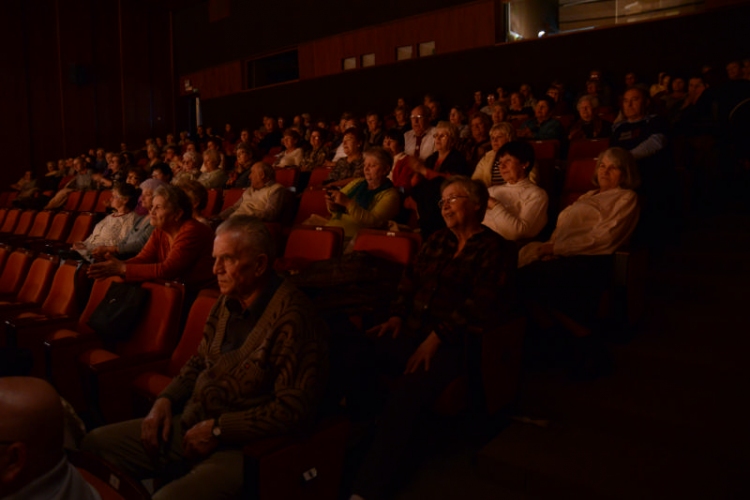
(179, 247)
(81, 182)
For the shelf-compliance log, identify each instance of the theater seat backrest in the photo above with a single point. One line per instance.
(59, 226)
(313, 201)
(62, 297)
(193, 332)
(98, 291)
(396, 247)
(37, 280)
(14, 272)
(577, 181)
(157, 331)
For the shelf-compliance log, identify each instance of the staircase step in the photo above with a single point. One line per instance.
(570, 462)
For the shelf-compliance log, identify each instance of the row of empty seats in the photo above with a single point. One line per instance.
(44, 229)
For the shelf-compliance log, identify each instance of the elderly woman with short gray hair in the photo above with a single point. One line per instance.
(589, 125)
(179, 248)
(365, 203)
(447, 160)
(460, 278)
(189, 168)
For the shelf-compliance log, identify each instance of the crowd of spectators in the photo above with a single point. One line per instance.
(462, 176)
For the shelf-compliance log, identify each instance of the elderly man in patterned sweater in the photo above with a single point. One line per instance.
(259, 371)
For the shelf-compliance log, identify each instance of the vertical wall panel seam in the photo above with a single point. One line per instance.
(150, 51)
(172, 81)
(122, 71)
(93, 74)
(27, 74)
(60, 78)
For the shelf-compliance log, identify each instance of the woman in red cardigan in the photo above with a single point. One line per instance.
(179, 248)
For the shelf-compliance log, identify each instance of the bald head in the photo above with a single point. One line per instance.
(31, 430)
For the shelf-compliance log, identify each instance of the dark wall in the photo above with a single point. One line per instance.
(79, 74)
(681, 45)
(255, 27)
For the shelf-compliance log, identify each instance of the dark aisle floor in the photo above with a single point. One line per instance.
(669, 422)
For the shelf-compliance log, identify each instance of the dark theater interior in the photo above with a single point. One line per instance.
(423, 249)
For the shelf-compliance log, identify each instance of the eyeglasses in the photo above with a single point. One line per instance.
(415, 116)
(449, 201)
(440, 136)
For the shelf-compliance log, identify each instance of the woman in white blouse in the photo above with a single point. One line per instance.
(571, 270)
(517, 209)
(114, 227)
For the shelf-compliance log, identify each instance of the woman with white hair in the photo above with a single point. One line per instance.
(189, 168)
(444, 162)
(213, 177)
(589, 125)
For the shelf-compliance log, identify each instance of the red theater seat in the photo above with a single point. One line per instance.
(577, 181)
(307, 244)
(399, 247)
(587, 148)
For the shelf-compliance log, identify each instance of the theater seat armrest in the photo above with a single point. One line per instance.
(57, 321)
(12, 307)
(81, 342)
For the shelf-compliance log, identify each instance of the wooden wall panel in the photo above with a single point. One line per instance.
(163, 82)
(76, 65)
(452, 29)
(109, 105)
(454, 76)
(62, 78)
(14, 128)
(44, 77)
(136, 55)
(215, 82)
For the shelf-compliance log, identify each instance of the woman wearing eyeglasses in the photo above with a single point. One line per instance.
(428, 176)
(460, 278)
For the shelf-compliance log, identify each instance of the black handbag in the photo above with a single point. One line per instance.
(119, 311)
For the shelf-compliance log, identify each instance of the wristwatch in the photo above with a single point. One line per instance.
(216, 431)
